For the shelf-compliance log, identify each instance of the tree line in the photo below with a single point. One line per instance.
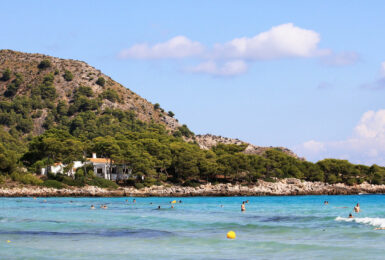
(75, 130)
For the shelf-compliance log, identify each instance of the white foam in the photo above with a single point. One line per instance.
(375, 222)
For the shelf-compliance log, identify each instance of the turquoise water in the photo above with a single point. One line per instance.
(298, 227)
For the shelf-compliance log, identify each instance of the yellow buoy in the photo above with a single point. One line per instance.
(231, 235)
(174, 201)
(8, 241)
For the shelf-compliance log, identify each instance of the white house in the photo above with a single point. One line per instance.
(107, 169)
(59, 168)
(103, 167)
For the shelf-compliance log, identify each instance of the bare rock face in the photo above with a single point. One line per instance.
(285, 187)
(207, 141)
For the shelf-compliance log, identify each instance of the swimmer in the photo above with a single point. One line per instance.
(92, 207)
(105, 207)
(158, 207)
(180, 201)
(34, 198)
(350, 215)
(172, 206)
(134, 201)
(357, 208)
(243, 207)
(150, 203)
(247, 201)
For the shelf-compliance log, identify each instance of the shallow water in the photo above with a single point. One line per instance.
(271, 228)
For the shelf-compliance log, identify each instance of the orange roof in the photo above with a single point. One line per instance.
(99, 160)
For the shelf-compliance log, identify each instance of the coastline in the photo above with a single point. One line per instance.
(283, 187)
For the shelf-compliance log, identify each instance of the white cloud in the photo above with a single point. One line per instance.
(366, 144)
(280, 41)
(175, 48)
(371, 125)
(340, 59)
(314, 146)
(230, 68)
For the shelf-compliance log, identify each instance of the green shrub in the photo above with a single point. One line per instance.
(6, 75)
(171, 114)
(191, 184)
(139, 185)
(68, 75)
(185, 131)
(102, 183)
(84, 91)
(53, 184)
(44, 64)
(2, 179)
(156, 106)
(111, 95)
(26, 178)
(101, 81)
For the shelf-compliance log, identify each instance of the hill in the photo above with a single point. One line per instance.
(28, 70)
(55, 110)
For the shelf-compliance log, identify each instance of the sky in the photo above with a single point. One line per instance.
(307, 75)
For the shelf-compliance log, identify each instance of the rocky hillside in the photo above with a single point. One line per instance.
(21, 74)
(68, 76)
(207, 141)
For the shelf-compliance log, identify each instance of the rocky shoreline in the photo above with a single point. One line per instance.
(284, 187)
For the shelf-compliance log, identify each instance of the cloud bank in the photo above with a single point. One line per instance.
(231, 58)
(366, 145)
(175, 48)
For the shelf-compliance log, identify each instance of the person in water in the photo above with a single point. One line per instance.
(92, 207)
(350, 215)
(243, 207)
(158, 207)
(134, 200)
(357, 208)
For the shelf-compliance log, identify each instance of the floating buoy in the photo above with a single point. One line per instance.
(174, 201)
(231, 235)
(8, 241)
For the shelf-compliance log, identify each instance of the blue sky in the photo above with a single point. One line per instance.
(302, 74)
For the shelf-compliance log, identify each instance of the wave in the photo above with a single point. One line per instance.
(375, 222)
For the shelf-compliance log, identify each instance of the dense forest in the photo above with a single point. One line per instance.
(75, 129)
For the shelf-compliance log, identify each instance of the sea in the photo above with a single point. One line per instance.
(276, 227)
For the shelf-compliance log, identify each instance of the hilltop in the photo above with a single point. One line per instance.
(68, 76)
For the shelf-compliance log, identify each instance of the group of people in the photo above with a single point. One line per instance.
(356, 210)
(103, 206)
